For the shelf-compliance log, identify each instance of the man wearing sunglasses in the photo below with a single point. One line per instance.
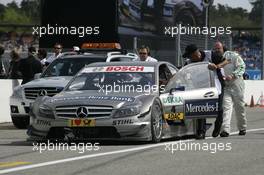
(144, 54)
(57, 53)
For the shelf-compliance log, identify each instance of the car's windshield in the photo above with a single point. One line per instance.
(69, 66)
(112, 80)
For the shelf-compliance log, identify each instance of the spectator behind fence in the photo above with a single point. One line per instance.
(4, 63)
(30, 66)
(13, 72)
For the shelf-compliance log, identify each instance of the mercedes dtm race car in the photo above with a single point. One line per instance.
(127, 100)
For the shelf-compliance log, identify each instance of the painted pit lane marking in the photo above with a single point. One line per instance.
(104, 154)
(10, 164)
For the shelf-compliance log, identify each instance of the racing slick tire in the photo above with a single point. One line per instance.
(20, 122)
(156, 121)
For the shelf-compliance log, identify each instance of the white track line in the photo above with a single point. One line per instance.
(103, 154)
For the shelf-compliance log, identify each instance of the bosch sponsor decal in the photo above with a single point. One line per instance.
(118, 69)
(123, 122)
(94, 97)
(174, 116)
(201, 107)
(171, 100)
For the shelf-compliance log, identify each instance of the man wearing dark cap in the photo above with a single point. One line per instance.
(193, 55)
(30, 66)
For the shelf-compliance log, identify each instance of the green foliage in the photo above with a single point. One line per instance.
(222, 15)
(13, 16)
(28, 12)
(256, 12)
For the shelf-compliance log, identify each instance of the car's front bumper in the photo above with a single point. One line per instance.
(19, 107)
(129, 128)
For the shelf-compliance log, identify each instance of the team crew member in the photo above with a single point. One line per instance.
(57, 53)
(234, 68)
(217, 58)
(194, 55)
(144, 54)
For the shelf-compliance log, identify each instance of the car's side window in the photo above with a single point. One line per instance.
(197, 76)
(164, 74)
(176, 81)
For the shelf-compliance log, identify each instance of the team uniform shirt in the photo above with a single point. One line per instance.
(236, 67)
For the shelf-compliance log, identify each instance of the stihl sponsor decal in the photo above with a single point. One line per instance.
(122, 122)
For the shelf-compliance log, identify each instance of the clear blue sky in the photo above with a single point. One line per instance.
(233, 3)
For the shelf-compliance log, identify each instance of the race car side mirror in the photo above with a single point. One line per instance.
(178, 88)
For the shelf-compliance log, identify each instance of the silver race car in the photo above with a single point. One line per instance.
(127, 101)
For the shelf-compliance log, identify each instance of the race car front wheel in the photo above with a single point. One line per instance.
(20, 122)
(156, 122)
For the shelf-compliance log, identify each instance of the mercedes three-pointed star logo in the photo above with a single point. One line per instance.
(82, 112)
(42, 92)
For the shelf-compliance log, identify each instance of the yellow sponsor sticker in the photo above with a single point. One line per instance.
(81, 123)
(174, 116)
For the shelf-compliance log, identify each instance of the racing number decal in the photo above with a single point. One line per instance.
(82, 123)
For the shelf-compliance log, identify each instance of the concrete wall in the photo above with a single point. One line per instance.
(253, 88)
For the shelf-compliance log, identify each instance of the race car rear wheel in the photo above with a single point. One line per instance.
(20, 122)
(156, 122)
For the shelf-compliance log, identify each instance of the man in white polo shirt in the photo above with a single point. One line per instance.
(144, 54)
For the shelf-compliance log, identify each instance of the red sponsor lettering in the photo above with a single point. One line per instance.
(125, 69)
(140, 68)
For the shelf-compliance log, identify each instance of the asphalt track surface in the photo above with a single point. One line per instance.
(241, 155)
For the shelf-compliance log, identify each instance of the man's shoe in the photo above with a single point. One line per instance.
(216, 133)
(224, 134)
(242, 132)
(200, 136)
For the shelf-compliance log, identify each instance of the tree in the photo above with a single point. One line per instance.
(223, 15)
(2, 10)
(31, 8)
(256, 12)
